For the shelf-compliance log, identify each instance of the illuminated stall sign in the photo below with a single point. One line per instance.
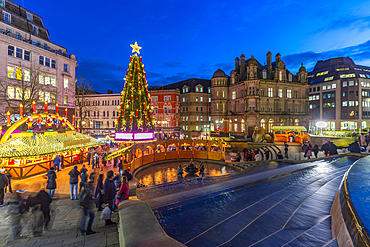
(128, 136)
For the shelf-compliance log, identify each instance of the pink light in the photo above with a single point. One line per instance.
(143, 136)
(124, 136)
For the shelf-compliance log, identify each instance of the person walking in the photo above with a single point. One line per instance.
(109, 194)
(56, 162)
(9, 176)
(308, 152)
(86, 202)
(83, 169)
(51, 183)
(73, 181)
(123, 192)
(3, 183)
(286, 149)
(99, 192)
(315, 150)
(89, 159)
(83, 177)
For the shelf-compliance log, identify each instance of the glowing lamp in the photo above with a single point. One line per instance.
(20, 111)
(321, 124)
(33, 107)
(57, 109)
(8, 118)
(46, 107)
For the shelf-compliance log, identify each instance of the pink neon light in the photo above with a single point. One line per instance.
(143, 136)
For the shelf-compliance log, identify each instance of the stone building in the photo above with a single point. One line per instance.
(32, 67)
(258, 95)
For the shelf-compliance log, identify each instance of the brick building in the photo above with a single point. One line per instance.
(166, 111)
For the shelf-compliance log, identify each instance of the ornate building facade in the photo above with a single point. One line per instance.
(256, 95)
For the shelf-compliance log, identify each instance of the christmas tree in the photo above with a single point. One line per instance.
(135, 114)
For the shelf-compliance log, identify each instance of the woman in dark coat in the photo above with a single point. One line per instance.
(52, 184)
(99, 192)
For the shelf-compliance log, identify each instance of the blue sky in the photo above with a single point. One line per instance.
(192, 39)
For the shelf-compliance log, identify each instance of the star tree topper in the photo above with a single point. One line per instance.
(135, 48)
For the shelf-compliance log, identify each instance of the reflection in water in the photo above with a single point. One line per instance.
(167, 172)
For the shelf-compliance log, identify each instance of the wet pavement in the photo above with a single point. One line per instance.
(65, 230)
(289, 209)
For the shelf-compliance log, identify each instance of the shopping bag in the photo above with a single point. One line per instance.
(105, 215)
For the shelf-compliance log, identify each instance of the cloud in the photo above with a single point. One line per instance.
(359, 53)
(173, 64)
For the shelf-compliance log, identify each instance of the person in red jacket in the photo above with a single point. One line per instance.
(123, 192)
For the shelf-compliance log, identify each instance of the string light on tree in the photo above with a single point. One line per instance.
(134, 114)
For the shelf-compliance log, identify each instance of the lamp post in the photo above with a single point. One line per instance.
(321, 125)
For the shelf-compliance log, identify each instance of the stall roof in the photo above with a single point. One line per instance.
(45, 144)
(296, 128)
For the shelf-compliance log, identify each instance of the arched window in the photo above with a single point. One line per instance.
(271, 123)
(280, 76)
(263, 123)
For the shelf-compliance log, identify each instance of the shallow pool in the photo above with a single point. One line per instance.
(167, 172)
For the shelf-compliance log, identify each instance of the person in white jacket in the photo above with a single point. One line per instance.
(258, 156)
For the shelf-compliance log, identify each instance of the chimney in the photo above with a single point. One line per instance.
(236, 64)
(277, 57)
(110, 91)
(268, 56)
(242, 65)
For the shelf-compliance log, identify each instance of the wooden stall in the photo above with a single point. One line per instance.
(289, 133)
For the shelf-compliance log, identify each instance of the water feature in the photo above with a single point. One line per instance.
(250, 212)
(167, 172)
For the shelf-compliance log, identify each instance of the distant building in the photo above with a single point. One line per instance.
(339, 94)
(256, 95)
(101, 111)
(195, 101)
(28, 55)
(166, 111)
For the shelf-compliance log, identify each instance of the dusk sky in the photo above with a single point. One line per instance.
(192, 39)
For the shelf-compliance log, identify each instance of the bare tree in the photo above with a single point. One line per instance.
(83, 106)
(23, 86)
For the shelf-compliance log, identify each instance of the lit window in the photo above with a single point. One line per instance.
(183, 90)
(41, 96)
(66, 101)
(233, 95)
(7, 17)
(187, 89)
(344, 84)
(329, 78)
(201, 99)
(351, 83)
(53, 81)
(196, 89)
(201, 118)
(18, 72)
(217, 93)
(322, 73)
(209, 99)
(288, 93)
(209, 90)
(11, 73)
(29, 16)
(197, 118)
(324, 87)
(264, 74)
(183, 99)
(18, 93)
(27, 75)
(351, 103)
(329, 87)
(53, 99)
(201, 90)
(223, 94)
(362, 75)
(2, 3)
(347, 75)
(334, 86)
(41, 79)
(47, 97)
(280, 92)
(10, 92)
(196, 127)
(196, 99)
(270, 92)
(47, 80)
(209, 118)
(66, 83)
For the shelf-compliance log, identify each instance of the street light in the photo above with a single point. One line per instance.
(321, 125)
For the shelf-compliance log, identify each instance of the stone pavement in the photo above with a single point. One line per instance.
(65, 230)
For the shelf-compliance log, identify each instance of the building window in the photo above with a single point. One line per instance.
(233, 95)
(10, 92)
(209, 99)
(196, 99)
(289, 93)
(34, 30)
(280, 93)
(270, 92)
(196, 127)
(201, 89)
(196, 89)
(351, 83)
(344, 103)
(264, 74)
(351, 103)
(7, 17)
(290, 77)
(209, 90)
(223, 94)
(65, 83)
(177, 98)
(280, 76)
(334, 86)
(344, 84)
(165, 98)
(65, 67)
(324, 87)
(2, 3)
(29, 16)
(46, 61)
(201, 118)
(183, 99)
(201, 99)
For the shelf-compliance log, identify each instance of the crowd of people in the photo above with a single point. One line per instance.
(93, 190)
